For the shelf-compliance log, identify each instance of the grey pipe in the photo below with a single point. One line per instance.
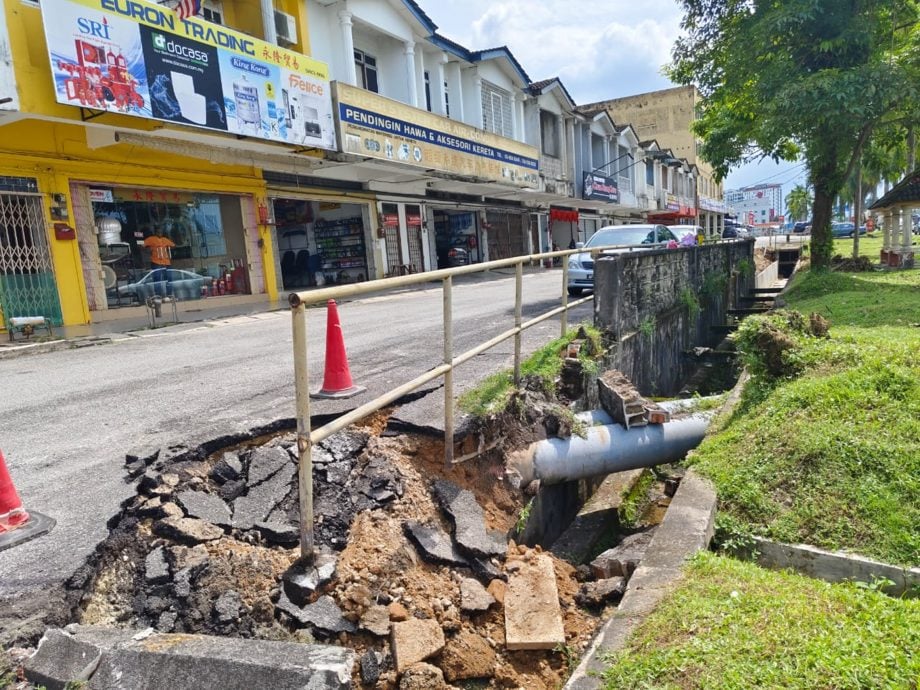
(610, 448)
(601, 418)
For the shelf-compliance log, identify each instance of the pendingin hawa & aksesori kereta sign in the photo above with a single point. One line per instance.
(601, 188)
(137, 58)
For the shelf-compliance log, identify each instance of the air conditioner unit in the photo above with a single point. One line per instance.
(285, 28)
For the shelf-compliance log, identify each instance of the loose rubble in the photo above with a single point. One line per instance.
(415, 570)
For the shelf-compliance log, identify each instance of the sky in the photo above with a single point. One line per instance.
(599, 50)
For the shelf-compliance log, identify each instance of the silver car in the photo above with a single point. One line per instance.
(581, 266)
(183, 285)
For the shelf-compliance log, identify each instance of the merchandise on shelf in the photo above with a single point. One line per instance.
(341, 244)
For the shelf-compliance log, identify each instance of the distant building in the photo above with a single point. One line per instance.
(757, 205)
(666, 116)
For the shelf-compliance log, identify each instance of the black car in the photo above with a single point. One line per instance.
(801, 227)
(729, 233)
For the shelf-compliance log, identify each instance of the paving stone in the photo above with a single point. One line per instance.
(60, 658)
(260, 500)
(207, 507)
(376, 620)
(264, 462)
(188, 530)
(345, 444)
(324, 616)
(433, 543)
(227, 607)
(301, 582)
(370, 668)
(623, 558)
(229, 468)
(156, 569)
(598, 593)
(473, 596)
(469, 520)
(466, 656)
(415, 640)
(533, 619)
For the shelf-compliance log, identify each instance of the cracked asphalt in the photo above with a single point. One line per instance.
(68, 417)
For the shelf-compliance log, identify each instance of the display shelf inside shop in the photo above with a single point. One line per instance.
(341, 244)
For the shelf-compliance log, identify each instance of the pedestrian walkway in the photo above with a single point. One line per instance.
(194, 315)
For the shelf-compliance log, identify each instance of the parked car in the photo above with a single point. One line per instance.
(729, 232)
(166, 281)
(841, 229)
(802, 227)
(457, 256)
(581, 266)
(683, 231)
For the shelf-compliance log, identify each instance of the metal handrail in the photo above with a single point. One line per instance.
(307, 437)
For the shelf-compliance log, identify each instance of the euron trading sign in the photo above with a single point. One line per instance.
(136, 58)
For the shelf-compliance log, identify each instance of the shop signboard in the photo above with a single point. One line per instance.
(372, 126)
(672, 203)
(101, 195)
(601, 188)
(138, 58)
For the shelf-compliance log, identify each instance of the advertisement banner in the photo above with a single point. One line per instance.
(601, 188)
(377, 127)
(134, 57)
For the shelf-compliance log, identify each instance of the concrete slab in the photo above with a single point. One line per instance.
(434, 544)
(533, 619)
(623, 558)
(415, 640)
(469, 520)
(204, 506)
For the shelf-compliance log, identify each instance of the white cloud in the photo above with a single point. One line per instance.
(599, 49)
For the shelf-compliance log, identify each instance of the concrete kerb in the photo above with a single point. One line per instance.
(687, 528)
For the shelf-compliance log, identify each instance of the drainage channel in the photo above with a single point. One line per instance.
(424, 571)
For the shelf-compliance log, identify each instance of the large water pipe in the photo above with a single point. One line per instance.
(610, 448)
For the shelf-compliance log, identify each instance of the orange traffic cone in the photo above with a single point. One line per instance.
(12, 514)
(337, 381)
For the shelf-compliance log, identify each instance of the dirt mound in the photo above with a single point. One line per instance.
(861, 264)
(210, 547)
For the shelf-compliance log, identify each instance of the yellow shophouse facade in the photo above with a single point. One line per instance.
(132, 153)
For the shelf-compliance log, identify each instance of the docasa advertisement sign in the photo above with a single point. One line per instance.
(134, 57)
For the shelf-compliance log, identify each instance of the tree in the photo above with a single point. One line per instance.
(798, 203)
(816, 78)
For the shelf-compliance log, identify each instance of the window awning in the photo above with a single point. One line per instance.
(563, 215)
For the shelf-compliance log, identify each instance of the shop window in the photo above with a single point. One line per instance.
(366, 71)
(650, 173)
(427, 91)
(549, 133)
(212, 11)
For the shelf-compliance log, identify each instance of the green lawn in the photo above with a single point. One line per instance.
(734, 625)
(830, 456)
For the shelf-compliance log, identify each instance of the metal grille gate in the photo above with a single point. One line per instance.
(27, 284)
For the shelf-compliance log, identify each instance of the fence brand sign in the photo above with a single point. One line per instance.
(134, 57)
(601, 188)
(377, 127)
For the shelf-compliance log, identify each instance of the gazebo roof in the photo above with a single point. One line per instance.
(906, 191)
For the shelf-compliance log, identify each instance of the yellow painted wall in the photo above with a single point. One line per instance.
(56, 154)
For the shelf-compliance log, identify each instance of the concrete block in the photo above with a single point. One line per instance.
(533, 619)
(61, 658)
(623, 558)
(415, 640)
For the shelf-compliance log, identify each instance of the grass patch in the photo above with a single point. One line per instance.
(492, 394)
(634, 503)
(734, 625)
(828, 454)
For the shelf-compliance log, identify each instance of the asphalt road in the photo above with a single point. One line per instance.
(68, 417)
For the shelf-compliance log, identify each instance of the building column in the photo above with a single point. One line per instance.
(411, 83)
(515, 125)
(268, 21)
(476, 106)
(887, 227)
(349, 75)
(519, 115)
(439, 97)
(905, 229)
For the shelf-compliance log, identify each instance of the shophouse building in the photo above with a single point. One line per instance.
(667, 117)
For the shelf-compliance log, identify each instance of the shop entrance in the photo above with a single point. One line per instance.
(27, 284)
(456, 238)
(169, 243)
(506, 235)
(320, 242)
(403, 236)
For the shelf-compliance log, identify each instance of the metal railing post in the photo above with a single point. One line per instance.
(564, 318)
(304, 446)
(448, 310)
(518, 318)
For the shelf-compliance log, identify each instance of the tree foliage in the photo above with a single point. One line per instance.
(810, 78)
(798, 203)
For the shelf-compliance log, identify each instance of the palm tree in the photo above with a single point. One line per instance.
(798, 203)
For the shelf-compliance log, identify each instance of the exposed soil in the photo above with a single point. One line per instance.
(232, 585)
